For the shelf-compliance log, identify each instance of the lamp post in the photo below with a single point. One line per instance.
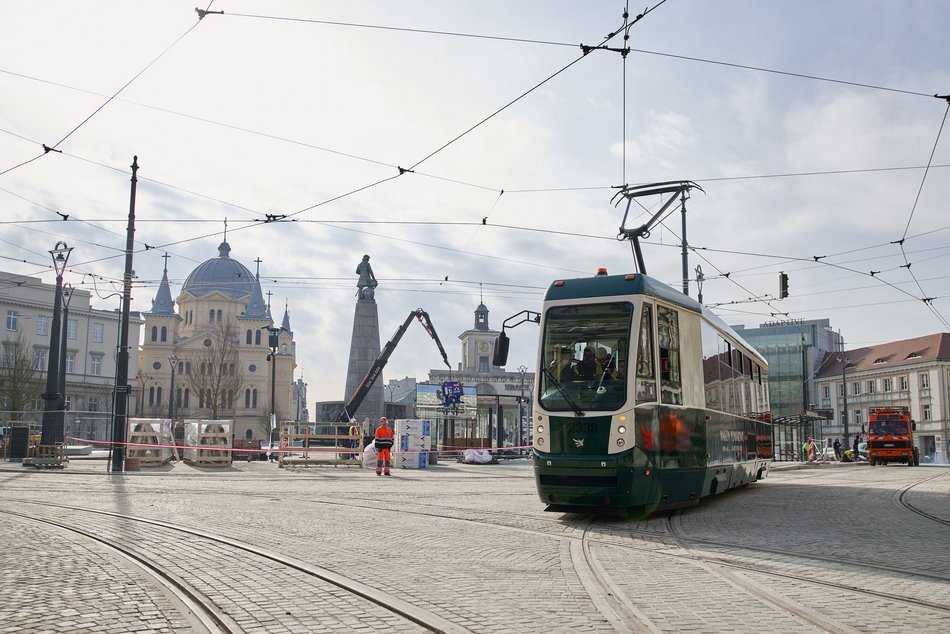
(53, 418)
(273, 342)
(145, 379)
(522, 369)
(844, 394)
(67, 295)
(173, 360)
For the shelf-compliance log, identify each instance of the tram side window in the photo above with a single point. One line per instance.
(646, 362)
(671, 386)
(713, 370)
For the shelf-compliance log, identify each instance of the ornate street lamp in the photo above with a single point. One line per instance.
(273, 342)
(53, 415)
(173, 360)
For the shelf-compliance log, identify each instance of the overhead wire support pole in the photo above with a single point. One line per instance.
(120, 414)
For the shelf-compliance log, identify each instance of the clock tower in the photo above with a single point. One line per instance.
(478, 344)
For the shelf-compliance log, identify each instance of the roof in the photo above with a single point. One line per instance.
(926, 349)
(222, 274)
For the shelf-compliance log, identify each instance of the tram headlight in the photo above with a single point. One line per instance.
(621, 430)
(540, 429)
(621, 442)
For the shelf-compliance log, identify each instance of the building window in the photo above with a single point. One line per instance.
(95, 365)
(70, 363)
(855, 388)
(164, 334)
(254, 398)
(71, 328)
(483, 365)
(93, 404)
(151, 396)
(187, 397)
(826, 392)
(902, 383)
(67, 402)
(42, 325)
(39, 359)
(870, 386)
(887, 384)
(257, 338)
(925, 411)
(857, 417)
(841, 390)
(249, 337)
(924, 380)
(12, 318)
(154, 333)
(97, 333)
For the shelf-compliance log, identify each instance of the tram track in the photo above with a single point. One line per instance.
(216, 615)
(904, 502)
(687, 544)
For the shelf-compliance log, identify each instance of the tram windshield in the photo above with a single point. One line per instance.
(585, 352)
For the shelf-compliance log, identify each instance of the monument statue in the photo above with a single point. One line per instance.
(367, 281)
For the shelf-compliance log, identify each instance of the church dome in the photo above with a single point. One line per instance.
(222, 274)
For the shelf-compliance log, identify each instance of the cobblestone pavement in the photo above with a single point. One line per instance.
(822, 548)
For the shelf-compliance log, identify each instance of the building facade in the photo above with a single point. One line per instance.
(92, 339)
(794, 350)
(913, 373)
(497, 403)
(220, 355)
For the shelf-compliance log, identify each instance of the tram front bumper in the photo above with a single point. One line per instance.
(593, 481)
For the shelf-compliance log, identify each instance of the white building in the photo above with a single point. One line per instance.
(914, 373)
(92, 336)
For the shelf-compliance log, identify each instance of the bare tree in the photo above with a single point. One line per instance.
(217, 377)
(20, 381)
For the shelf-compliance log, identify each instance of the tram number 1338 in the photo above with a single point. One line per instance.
(581, 428)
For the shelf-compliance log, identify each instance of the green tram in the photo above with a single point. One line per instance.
(673, 409)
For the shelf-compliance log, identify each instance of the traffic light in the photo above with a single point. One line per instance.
(782, 285)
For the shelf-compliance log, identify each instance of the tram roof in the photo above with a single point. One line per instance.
(614, 285)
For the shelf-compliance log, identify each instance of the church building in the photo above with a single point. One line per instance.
(212, 358)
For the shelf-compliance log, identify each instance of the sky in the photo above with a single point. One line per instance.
(473, 151)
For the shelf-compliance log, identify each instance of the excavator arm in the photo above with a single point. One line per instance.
(377, 368)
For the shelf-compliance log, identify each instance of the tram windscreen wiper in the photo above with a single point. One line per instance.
(577, 410)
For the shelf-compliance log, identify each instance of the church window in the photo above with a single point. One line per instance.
(151, 396)
(154, 333)
(247, 398)
(248, 339)
(164, 333)
(219, 316)
(158, 396)
(254, 397)
(187, 394)
(211, 316)
(257, 338)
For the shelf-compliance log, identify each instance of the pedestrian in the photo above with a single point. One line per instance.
(354, 441)
(384, 442)
(837, 447)
(854, 447)
(805, 449)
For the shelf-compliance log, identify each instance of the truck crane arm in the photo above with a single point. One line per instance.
(377, 368)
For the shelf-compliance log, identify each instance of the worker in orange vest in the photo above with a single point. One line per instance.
(384, 442)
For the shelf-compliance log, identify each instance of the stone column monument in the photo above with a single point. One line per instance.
(364, 346)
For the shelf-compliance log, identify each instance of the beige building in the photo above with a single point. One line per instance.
(913, 373)
(92, 336)
(217, 349)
